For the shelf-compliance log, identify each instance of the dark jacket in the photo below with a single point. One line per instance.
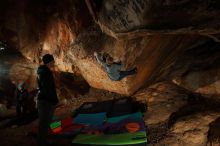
(46, 85)
(21, 95)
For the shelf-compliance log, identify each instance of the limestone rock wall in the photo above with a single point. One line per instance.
(151, 35)
(14, 69)
(141, 17)
(198, 69)
(151, 55)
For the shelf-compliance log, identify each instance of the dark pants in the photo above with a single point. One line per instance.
(126, 73)
(21, 107)
(45, 113)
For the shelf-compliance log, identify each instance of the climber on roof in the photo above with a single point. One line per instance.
(113, 68)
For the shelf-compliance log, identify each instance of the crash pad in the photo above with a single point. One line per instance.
(90, 119)
(111, 139)
(137, 115)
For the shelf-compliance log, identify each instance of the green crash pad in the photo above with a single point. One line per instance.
(111, 139)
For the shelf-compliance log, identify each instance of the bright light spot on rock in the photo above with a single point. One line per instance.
(1, 48)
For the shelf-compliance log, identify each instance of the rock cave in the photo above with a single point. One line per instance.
(174, 44)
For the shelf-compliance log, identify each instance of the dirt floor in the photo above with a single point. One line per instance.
(16, 132)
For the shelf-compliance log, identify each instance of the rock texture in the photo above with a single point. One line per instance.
(198, 69)
(149, 54)
(163, 99)
(173, 43)
(140, 17)
(178, 117)
(147, 34)
(191, 131)
(14, 69)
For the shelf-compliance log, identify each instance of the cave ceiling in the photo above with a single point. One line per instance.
(149, 34)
